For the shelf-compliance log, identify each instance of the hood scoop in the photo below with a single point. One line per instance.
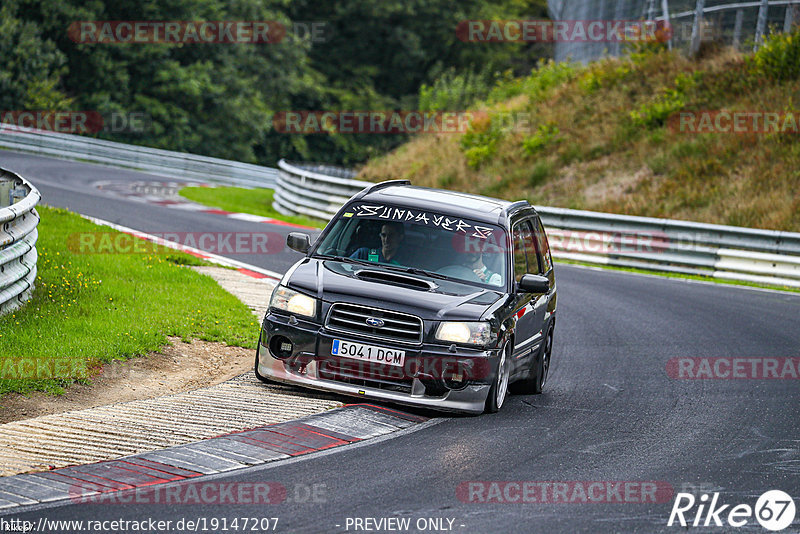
(395, 278)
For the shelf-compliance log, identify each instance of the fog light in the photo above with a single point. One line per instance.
(456, 373)
(281, 347)
(456, 381)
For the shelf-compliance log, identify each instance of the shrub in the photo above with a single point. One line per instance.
(545, 135)
(540, 172)
(479, 142)
(452, 91)
(604, 74)
(547, 75)
(670, 100)
(779, 57)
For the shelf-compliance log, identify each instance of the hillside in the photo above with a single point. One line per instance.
(606, 137)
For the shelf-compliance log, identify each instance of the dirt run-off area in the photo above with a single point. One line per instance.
(176, 368)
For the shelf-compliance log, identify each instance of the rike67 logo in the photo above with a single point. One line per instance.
(774, 510)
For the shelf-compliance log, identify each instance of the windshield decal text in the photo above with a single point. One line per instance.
(421, 217)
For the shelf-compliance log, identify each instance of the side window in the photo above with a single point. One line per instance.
(534, 249)
(522, 243)
(544, 246)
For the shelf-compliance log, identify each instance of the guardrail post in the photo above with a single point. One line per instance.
(790, 17)
(737, 28)
(6, 186)
(697, 26)
(761, 25)
(667, 23)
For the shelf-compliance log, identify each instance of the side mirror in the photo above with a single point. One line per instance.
(533, 283)
(298, 241)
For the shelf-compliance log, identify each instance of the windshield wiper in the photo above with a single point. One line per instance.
(431, 274)
(345, 259)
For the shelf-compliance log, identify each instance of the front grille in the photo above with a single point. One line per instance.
(352, 318)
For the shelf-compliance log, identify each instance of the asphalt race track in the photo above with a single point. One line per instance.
(72, 185)
(611, 414)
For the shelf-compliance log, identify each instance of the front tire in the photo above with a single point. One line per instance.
(544, 363)
(499, 390)
(255, 367)
(540, 370)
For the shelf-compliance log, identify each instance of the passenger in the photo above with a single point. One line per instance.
(392, 235)
(474, 260)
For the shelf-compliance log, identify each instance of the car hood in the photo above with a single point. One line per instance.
(429, 298)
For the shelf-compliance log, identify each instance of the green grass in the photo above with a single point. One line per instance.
(680, 276)
(89, 309)
(242, 200)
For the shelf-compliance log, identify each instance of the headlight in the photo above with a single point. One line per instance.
(464, 332)
(292, 301)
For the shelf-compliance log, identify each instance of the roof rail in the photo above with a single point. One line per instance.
(518, 205)
(512, 209)
(387, 183)
(380, 185)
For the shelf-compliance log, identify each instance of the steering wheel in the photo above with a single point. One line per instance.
(461, 272)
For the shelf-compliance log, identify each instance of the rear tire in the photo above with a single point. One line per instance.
(499, 390)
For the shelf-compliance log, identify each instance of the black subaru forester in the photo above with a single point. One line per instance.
(417, 296)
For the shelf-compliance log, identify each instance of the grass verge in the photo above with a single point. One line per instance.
(242, 200)
(89, 309)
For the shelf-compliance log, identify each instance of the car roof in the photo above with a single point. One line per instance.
(477, 207)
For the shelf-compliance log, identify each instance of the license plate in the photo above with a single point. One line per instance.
(359, 351)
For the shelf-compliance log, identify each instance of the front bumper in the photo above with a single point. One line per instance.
(311, 362)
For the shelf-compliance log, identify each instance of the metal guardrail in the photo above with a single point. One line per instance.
(730, 22)
(665, 245)
(151, 160)
(313, 190)
(18, 235)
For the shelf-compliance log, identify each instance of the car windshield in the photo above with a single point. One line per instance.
(419, 242)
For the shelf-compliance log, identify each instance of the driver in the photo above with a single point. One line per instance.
(474, 260)
(392, 235)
